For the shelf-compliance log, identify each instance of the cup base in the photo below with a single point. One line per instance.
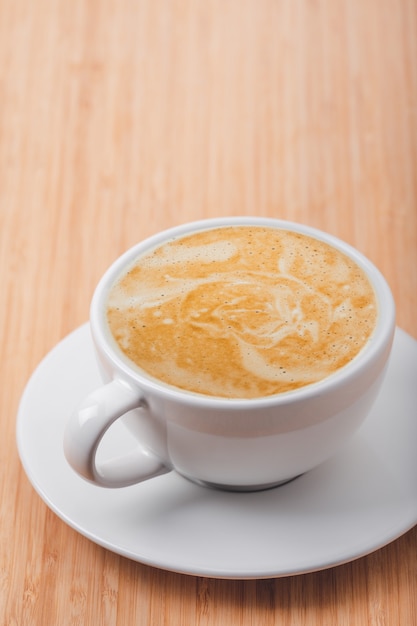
(242, 488)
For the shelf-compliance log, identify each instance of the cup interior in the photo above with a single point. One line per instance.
(379, 342)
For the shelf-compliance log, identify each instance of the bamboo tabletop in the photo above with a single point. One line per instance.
(119, 119)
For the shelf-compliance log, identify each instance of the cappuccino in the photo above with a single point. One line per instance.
(241, 311)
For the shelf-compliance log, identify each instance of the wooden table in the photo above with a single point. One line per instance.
(118, 119)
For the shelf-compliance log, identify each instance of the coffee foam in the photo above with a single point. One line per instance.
(242, 311)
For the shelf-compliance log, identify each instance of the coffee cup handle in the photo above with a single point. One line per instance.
(87, 426)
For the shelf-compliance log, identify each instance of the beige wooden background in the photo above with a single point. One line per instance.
(122, 117)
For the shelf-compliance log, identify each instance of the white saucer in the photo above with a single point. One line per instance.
(350, 506)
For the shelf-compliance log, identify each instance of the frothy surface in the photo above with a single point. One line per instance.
(242, 311)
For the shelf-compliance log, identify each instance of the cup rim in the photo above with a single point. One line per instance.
(380, 339)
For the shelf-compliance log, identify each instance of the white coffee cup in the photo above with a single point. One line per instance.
(237, 444)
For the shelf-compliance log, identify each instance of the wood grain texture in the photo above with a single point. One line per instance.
(119, 119)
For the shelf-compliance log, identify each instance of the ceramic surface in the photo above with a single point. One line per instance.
(351, 505)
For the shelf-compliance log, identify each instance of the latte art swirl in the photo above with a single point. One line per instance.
(242, 311)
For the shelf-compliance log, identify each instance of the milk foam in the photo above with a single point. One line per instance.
(242, 311)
